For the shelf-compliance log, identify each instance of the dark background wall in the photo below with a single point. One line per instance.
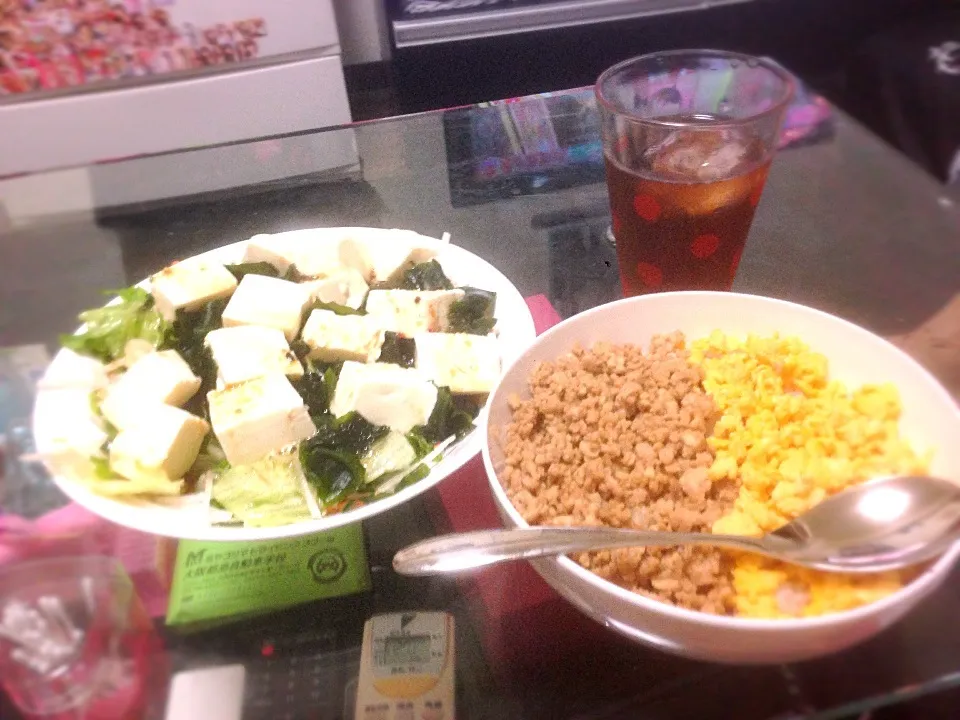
(815, 38)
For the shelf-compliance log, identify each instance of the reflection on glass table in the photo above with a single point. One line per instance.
(75, 640)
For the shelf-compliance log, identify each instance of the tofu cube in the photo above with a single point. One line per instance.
(157, 377)
(333, 337)
(464, 363)
(384, 394)
(409, 312)
(315, 252)
(269, 302)
(268, 249)
(328, 257)
(189, 285)
(161, 446)
(256, 417)
(388, 260)
(346, 287)
(250, 351)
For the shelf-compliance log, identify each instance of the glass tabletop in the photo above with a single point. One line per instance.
(846, 224)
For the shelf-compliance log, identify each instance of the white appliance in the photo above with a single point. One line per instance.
(94, 81)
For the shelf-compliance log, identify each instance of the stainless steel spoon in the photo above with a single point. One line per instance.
(883, 524)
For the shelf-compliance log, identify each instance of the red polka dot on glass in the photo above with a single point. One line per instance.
(650, 275)
(646, 207)
(704, 246)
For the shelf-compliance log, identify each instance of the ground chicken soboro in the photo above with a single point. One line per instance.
(613, 436)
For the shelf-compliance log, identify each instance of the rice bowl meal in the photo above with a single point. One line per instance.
(714, 412)
(730, 435)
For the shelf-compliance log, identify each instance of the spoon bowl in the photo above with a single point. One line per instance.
(929, 422)
(880, 525)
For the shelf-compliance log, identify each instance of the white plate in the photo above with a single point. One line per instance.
(62, 413)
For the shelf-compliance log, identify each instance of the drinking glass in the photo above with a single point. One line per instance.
(75, 641)
(688, 137)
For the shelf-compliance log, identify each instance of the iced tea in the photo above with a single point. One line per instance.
(688, 136)
(682, 212)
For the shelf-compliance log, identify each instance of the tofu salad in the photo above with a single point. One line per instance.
(312, 377)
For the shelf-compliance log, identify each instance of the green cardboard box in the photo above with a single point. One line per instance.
(218, 580)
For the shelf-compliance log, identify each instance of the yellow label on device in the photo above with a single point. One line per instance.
(409, 686)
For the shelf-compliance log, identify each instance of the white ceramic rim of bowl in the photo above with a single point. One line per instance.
(918, 585)
(512, 311)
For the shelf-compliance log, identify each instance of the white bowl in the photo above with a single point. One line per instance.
(62, 415)
(931, 419)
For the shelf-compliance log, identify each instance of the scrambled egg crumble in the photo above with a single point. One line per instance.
(794, 437)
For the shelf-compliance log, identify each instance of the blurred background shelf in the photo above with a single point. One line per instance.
(418, 25)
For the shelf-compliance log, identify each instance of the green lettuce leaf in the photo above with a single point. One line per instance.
(109, 328)
(421, 446)
(414, 476)
(264, 493)
(390, 454)
(101, 468)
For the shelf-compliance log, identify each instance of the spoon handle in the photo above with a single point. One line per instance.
(460, 552)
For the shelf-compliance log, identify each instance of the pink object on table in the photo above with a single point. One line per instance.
(544, 314)
(74, 531)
